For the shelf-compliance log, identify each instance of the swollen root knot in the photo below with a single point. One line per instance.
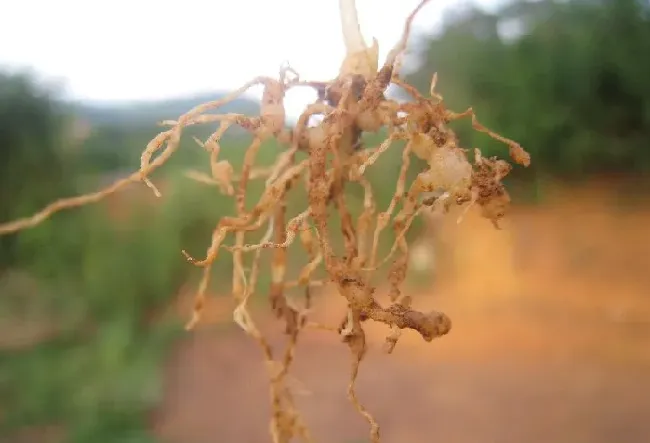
(430, 325)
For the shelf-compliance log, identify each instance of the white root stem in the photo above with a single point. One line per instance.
(352, 37)
(360, 59)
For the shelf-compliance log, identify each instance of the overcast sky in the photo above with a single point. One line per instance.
(142, 49)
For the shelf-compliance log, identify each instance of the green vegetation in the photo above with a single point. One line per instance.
(566, 79)
(82, 296)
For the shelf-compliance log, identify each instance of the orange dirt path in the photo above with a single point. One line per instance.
(550, 343)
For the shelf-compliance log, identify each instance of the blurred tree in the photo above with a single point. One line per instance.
(569, 80)
(32, 167)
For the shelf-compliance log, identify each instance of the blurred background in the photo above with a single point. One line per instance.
(551, 337)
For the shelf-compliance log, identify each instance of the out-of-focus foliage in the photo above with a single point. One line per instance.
(33, 168)
(83, 297)
(138, 114)
(567, 79)
(115, 129)
(97, 308)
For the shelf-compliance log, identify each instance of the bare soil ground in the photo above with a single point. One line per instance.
(551, 343)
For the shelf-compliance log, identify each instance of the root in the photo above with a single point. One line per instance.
(351, 104)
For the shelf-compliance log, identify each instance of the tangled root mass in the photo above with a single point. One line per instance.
(350, 105)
